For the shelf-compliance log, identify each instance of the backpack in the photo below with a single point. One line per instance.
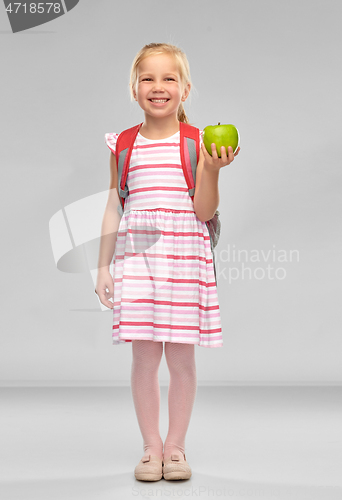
(189, 151)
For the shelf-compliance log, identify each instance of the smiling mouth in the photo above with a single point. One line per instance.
(159, 100)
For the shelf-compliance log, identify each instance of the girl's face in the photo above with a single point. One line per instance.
(159, 79)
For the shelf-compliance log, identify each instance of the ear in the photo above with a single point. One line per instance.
(186, 91)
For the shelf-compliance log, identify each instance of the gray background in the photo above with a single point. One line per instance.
(271, 68)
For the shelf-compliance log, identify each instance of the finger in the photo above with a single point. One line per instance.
(204, 149)
(237, 151)
(106, 302)
(106, 293)
(214, 150)
(224, 154)
(110, 291)
(205, 152)
(230, 154)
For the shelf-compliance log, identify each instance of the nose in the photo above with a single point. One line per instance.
(157, 87)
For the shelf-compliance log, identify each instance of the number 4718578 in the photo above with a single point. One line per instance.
(34, 8)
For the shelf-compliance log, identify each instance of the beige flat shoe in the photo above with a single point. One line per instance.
(150, 468)
(176, 468)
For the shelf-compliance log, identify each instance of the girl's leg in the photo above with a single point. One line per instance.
(147, 355)
(182, 391)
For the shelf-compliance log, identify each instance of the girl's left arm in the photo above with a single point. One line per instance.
(206, 198)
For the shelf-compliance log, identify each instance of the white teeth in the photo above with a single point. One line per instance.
(159, 100)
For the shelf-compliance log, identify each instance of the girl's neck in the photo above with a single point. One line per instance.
(159, 128)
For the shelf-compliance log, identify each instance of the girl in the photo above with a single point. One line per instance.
(163, 286)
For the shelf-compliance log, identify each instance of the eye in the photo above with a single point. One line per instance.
(169, 79)
(145, 79)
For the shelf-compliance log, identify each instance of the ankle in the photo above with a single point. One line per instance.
(156, 452)
(173, 450)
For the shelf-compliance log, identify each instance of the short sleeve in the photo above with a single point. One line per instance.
(110, 140)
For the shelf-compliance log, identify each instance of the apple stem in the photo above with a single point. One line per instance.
(219, 123)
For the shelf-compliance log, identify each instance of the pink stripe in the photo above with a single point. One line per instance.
(205, 296)
(156, 145)
(157, 188)
(156, 197)
(204, 299)
(182, 304)
(175, 312)
(166, 210)
(160, 166)
(171, 257)
(168, 280)
(166, 325)
(165, 233)
(133, 333)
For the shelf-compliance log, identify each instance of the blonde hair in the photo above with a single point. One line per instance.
(163, 48)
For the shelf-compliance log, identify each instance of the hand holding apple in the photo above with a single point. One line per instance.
(221, 135)
(214, 151)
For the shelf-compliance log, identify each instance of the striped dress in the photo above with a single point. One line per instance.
(163, 272)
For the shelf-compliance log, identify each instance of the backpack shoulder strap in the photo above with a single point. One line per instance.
(189, 150)
(123, 152)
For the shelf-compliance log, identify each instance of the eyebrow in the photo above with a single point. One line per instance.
(150, 74)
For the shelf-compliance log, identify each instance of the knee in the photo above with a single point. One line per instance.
(146, 354)
(180, 358)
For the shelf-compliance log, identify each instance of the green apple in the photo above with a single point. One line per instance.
(221, 135)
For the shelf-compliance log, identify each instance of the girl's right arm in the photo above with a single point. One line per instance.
(110, 225)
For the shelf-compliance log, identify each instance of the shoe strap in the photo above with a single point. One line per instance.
(175, 458)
